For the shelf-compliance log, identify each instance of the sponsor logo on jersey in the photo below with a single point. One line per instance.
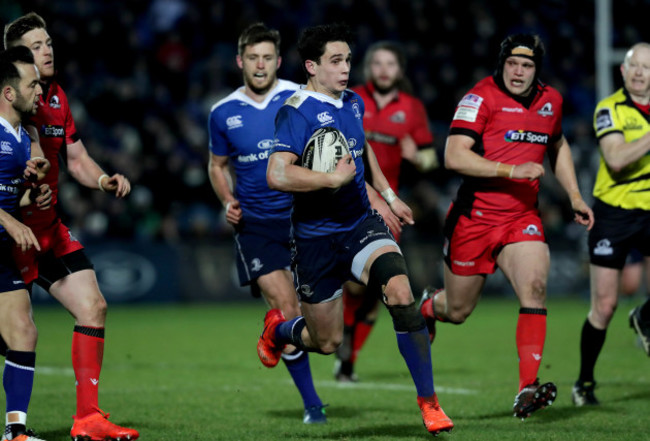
(265, 144)
(381, 137)
(464, 113)
(54, 102)
(398, 117)
(256, 265)
(234, 122)
(356, 110)
(471, 100)
(512, 109)
(50, 131)
(6, 148)
(531, 230)
(546, 110)
(324, 118)
(526, 136)
(254, 157)
(603, 248)
(604, 119)
(631, 123)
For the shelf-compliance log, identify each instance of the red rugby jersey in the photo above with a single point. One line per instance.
(56, 129)
(508, 132)
(385, 127)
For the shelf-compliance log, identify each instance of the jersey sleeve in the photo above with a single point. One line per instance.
(291, 131)
(606, 120)
(218, 141)
(471, 116)
(421, 133)
(71, 135)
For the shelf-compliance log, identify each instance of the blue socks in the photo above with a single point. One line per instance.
(298, 366)
(416, 350)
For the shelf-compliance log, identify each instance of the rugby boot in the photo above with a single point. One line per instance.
(532, 398)
(430, 320)
(267, 349)
(96, 427)
(433, 417)
(582, 394)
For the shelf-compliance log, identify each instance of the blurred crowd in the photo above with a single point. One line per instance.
(142, 76)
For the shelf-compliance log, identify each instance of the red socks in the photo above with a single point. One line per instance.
(531, 333)
(87, 356)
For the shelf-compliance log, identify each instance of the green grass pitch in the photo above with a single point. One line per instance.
(190, 372)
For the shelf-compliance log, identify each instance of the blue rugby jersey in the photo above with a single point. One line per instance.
(15, 150)
(324, 212)
(242, 129)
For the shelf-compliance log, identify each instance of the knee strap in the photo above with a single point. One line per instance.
(384, 268)
(406, 318)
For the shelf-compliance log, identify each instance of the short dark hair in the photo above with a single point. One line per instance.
(20, 26)
(257, 33)
(312, 41)
(9, 74)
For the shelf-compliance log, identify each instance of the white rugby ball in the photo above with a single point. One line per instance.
(324, 149)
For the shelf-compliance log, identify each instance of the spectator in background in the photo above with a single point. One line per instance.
(396, 126)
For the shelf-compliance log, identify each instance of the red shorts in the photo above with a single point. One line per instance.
(56, 239)
(472, 247)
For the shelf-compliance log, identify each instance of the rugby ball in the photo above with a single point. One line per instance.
(324, 149)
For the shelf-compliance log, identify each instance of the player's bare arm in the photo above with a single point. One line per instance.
(378, 182)
(562, 163)
(378, 203)
(221, 180)
(618, 154)
(283, 174)
(460, 158)
(89, 174)
(21, 234)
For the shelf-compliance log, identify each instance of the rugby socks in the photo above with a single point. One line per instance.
(531, 333)
(18, 381)
(359, 337)
(289, 332)
(87, 356)
(416, 351)
(591, 342)
(298, 366)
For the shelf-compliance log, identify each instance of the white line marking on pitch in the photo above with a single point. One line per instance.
(393, 386)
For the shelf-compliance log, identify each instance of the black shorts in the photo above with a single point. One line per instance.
(10, 279)
(323, 264)
(262, 246)
(615, 233)
(52, 269)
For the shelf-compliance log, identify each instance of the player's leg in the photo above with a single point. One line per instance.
(71, 280)
(640, 316)
(19, 332)
(526, 265)
(360, 311)
(632, 274)
(279, 293)
(385, 272)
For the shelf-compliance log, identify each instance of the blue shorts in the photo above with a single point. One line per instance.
(322, 265)
(615, 233)
(261, 247)
(10, 278)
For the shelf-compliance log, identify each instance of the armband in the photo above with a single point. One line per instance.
(389, 195)
(99, 182)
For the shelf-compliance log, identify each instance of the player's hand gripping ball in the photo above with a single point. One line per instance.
(324, 149)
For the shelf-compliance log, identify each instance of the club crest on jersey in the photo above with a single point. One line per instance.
(398, 117)
(324, 118)
(355, 109)
(546, 110)
(55, 103)
(234, 122)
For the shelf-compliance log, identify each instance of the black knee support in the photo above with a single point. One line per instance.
(384, 268)
(406, 318)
